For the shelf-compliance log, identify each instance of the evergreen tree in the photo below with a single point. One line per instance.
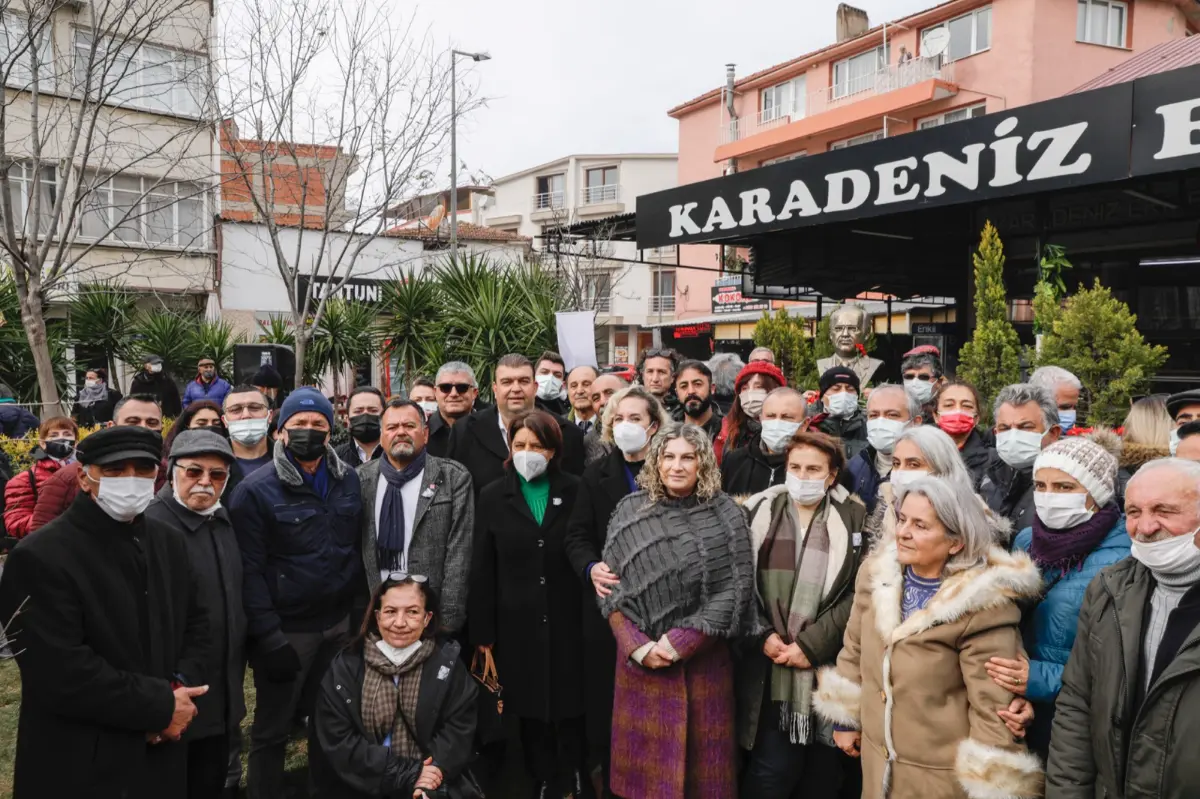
(991, 359)
(1095, 336)
(786, 336)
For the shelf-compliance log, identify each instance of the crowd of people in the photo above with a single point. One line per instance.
(709, 583)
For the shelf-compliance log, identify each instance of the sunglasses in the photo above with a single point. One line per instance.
(405, 577)
(461, 388)
(196, 472)
(924, 378)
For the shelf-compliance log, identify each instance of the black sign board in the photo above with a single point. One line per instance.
(357, 290)
(1071, 141)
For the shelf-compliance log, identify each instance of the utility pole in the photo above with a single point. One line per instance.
(476, 57)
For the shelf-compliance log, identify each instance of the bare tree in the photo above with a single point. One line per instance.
(105, 148)
(350, 113)
(583, 264)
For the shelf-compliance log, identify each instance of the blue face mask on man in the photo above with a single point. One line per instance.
(1066, 418)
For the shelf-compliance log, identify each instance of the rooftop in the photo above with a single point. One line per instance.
(466, 232)
(586, 157)
(1164, 57)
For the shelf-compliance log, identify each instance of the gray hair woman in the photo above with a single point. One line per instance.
(681, 550)
(931, 606)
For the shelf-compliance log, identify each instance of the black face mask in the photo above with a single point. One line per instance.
(60, 448)
(365, 428)
(696, 407)
(306, 444)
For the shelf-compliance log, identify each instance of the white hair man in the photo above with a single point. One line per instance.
(1125, 720)
(1026, 423)
(890, 411)
(457, 392)
(1064, 387)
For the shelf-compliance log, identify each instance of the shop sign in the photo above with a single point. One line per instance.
(692, 331)
(1072, 141)
(729, 300)
(360, 291)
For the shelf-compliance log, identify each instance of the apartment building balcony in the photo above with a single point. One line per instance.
(662, 304)
(895, 88)
(600, 201)
(549, 205)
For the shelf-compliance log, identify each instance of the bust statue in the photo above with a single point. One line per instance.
(848, 326)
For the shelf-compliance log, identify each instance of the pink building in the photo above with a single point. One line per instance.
(957, 60)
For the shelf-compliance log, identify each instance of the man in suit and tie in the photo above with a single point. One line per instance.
(480, 442)
(418, 513)
(584, 414)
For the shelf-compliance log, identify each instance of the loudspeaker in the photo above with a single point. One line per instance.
(249, 358)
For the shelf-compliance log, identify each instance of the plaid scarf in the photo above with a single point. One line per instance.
(384, 698)
(791, 585)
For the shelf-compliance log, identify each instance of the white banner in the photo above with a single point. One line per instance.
(577, 338)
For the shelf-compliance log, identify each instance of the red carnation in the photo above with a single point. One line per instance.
(861, 349)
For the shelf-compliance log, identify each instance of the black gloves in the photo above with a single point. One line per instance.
(278, 665)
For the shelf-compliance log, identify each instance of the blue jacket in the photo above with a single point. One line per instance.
(215, 391)
(864, 478)
(300, 552)
(16, 421)
(1049, 628)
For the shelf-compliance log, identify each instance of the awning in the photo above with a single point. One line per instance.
(807, 311)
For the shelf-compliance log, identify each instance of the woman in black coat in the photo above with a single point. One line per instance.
(605, 483)
(525, 602)
(95, 401)
(364, 743)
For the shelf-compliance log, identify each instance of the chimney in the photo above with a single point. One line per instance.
(729, 81)
(851, 22)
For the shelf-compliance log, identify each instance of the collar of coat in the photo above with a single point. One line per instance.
(290, 476)
(1004, 577)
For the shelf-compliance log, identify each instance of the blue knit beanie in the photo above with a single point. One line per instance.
(306, 399)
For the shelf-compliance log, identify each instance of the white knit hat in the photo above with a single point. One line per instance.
(1088, 462)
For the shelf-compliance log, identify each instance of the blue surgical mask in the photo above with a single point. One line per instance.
(1067, 418)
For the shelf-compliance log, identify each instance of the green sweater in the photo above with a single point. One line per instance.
(537, 494)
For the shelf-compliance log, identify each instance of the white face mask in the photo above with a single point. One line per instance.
(549, 387)
(1175, 555)
(842, 405)
(1019, 448)
(805, 492)
(1061, 511)
(904, 477)
(91, 383)
(248, 431)
(124, 498)
(920, 390)
(776, 433)
(630, 437)
(430, 408)
(155, 368)
(530, 465)
(882, 433)
(752, 401)
(1173, 442)
(216, 506)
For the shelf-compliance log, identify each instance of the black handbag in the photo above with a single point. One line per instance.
(489, 725)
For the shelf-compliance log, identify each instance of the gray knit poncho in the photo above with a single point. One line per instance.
(682, 563)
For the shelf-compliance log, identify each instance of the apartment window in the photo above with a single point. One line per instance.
(24, 179)
(601, 185)
(857, 73)
(957, 115)
(146, 77)
(783, 158)
(783, 99)
(863, 139)
(550, 190)
(969, 34)
(1101, 22)
(137, 210)
(17, 56)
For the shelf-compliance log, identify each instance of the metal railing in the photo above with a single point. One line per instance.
(608, 193)
(860, 87)
(548, 200)
(602, 304)
(667, 252)
(662, 304)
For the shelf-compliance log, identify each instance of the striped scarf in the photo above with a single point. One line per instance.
(791, 579)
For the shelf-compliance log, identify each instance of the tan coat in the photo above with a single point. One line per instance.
(918, 689)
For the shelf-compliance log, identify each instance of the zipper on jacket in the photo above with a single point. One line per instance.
(1118, 719)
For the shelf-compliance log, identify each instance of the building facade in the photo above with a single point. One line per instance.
(628, 290)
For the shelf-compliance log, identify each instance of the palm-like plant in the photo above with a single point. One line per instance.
(101, 316)
(276, 330)
(345, 337)
(169, 334)
(16, 359)
(217, 340)
(410, 328)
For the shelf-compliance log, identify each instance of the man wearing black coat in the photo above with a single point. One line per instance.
(201, 464)
(110, 634)
(154, 380)
(480, 441)
(762, 463)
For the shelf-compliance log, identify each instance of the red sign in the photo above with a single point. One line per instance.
(693, 331)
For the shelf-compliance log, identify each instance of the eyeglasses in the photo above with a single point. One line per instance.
(404, 577)
(924, 378)
(196, 472)
(461, 388)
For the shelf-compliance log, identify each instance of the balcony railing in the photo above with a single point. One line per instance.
(667, 252)
(548, 201)
(601, 304)
(662, 304)
(858, 87)
(594, 195)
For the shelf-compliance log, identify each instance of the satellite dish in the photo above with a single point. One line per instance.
(435, 219)
(935, 42)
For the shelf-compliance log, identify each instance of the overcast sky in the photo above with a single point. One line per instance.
(572, 77)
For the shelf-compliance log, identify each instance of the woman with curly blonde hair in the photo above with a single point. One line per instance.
(681, 552)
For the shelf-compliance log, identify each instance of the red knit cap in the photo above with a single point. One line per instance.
(758, 368)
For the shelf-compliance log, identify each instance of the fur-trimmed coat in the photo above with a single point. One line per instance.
(918, 689)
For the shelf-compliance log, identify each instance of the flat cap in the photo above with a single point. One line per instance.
(190, 443)
(117, 444)
(1176, 402)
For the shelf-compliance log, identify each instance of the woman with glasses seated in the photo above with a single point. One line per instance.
(525, 603)
(395, 715)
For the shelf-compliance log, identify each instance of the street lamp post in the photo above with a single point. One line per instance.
(476, 57)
